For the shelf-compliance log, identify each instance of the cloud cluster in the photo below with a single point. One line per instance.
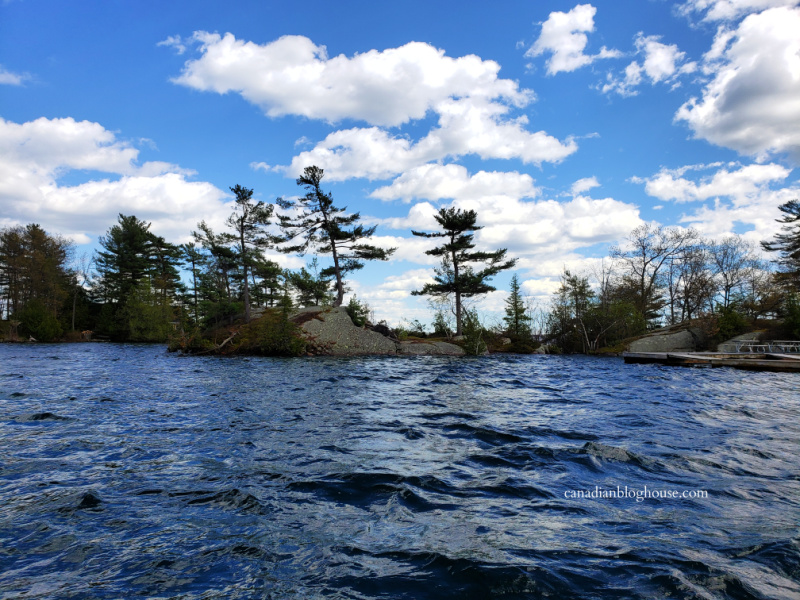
(751, 104)
(9, 78)
(293, 76)
(661, 63)
(37, 154)
(527, 228)
(437, 182)
(730, 10)
(742, 196)
(564, 38)
(466, 127)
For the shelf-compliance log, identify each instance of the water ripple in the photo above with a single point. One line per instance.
(127, 472)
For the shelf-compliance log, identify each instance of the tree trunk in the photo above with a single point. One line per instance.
(246, 289)
(458, 292)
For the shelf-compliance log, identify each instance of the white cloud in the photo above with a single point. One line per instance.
(584, 185)
(662, 63)
(729, 10)
(752, 105)
(742, 196)
(563, 36)
(292, 75)
(174, 41)
(528, 228)
(37, 153)
(743, 183)
(9, 78)
(437, 182)
(466, 126)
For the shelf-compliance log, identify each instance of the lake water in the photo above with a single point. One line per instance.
(128, 472)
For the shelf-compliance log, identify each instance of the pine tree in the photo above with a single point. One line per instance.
(248, 221)
(788, 245)
(517, 320)
(325, 228)
(457, 276)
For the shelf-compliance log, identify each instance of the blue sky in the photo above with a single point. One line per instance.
(563, 125)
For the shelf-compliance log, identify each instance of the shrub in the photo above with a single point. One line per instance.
(358, 311)
(474, 344)
(37, 321)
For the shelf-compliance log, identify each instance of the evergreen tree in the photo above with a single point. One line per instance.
(517, 320)
(248, 221)
(137, 267)
(312, 288)
(457, 276)
(325, 228)
(216, 299)
(787, 244)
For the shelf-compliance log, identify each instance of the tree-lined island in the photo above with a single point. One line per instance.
(221, 294)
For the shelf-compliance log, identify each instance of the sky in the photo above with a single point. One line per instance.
(563, 125)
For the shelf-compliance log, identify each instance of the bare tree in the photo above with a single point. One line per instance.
(732, 260)
(647, 250)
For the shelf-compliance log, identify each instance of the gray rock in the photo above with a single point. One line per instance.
(331, 331)
(670, 340)
(429, 348)
(730, 345)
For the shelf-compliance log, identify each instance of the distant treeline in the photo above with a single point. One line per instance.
(140, 287)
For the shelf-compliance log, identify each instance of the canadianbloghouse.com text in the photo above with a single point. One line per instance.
(637, 494)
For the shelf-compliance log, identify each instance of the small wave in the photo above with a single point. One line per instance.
(47, 416)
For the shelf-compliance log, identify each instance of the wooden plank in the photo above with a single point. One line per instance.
(784, 356)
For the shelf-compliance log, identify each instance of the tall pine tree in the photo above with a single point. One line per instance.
(459, 278)
(326, 229)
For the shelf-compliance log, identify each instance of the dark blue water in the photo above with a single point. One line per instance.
(127, 472)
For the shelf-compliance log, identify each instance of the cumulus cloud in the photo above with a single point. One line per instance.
(294, 76)
(38, 153)
(741, 196)
(466, 126)
(751, 104)
(729, 10)
(533, 228)
(174, 41)
(661, 63)
(584, 185)
(564, 38)
(9, 78)
(436, 182)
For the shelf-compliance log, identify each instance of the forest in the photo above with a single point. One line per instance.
(140, 287)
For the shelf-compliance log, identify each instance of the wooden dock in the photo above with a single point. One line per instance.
(764, 361)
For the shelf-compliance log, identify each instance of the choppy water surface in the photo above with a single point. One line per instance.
(127, 472)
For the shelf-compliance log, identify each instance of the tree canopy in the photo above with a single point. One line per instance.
(787, 244)
(457, 276)
(320, 226)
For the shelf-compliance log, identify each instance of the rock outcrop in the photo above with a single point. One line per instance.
(670, 340)
(429, 348)
(330, 331)
(730, 345)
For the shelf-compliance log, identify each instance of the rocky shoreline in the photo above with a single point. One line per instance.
(330, 331)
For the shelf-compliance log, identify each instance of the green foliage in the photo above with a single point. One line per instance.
(276, 335)
(517, 320)
(457, 276)
(473, 342)
(441, 325)
(792, 320)
(145, 316)
(313, 289)
(328, 230)
(730, 322)
(34, 267)
(358, 311)
(787, 244)
(38, 321)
